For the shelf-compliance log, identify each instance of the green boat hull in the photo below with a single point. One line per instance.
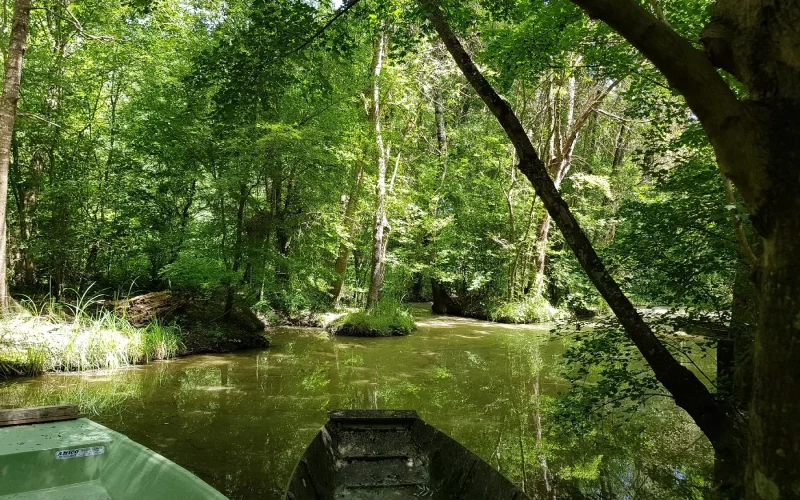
(82, 459)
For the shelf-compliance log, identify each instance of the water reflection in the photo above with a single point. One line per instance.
(241, 421)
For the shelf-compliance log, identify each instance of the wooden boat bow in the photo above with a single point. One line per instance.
(383, 454)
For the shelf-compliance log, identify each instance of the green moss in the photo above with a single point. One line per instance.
(389, 319)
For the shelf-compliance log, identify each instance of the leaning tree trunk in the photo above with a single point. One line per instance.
(756, 145)
(8, 113)
(380, 232)
(689, 392)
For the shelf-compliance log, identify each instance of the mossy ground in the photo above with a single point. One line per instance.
(388, 319)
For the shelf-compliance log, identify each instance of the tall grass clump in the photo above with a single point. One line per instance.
(528, 310)
(160, 341)
(51, 336)
(389, 318)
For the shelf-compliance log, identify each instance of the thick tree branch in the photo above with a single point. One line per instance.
(688, 391)
(686, 68)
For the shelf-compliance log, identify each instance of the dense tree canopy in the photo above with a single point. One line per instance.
(293, 155)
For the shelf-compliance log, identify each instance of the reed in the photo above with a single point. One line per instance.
(55, 336)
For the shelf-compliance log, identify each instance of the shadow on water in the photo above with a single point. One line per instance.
(241, 421)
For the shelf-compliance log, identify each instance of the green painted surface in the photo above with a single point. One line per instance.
(82, 459)
(89, 490)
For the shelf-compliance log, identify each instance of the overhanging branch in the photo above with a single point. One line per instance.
(689, 392)
(688, 70)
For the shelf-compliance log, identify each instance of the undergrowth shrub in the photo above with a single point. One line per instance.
(528, 310)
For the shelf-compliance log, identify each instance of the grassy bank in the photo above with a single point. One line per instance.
(62, 337)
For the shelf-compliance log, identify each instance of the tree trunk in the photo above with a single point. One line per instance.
(734, 372)
(282, 239)
(512, 226)
(689, 392)
(429, 240)
(774, 441)
(8, 113)
(349, 224)
(238, 251)
(26, 191)
(441, 129)
(380, 232)
(619, 157)
(184, 222)
(560, 165)
(517, 285)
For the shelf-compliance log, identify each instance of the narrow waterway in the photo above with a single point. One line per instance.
(241, 421)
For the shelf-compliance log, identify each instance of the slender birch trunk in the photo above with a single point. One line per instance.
(8, 113)
(380, 231)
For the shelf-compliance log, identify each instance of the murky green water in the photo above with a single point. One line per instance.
(241, 421)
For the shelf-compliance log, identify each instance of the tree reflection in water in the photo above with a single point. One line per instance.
(241, 421)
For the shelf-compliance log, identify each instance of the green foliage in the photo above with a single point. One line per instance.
(528, 310)
(675, 244)
(208, 149)
(219, 152)
(191, 273)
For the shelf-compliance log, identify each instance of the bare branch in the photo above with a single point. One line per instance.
(687, 69)
(37, 117)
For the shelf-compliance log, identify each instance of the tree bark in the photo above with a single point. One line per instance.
(735, 372)
(380, 231)
(560, 165)
(688, 391)
(774, 441)
(238, 251)
(8, 113)
(349, 224)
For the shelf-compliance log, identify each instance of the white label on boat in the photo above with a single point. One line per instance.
(80, 452)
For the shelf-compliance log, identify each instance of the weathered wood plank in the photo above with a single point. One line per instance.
(34, 415)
